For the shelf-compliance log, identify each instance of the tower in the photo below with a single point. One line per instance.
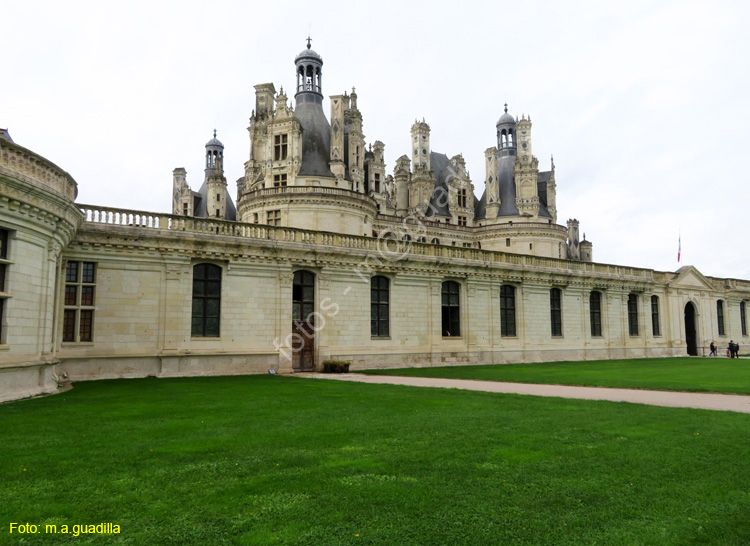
(316, 131)
(216, 184)
(574, 250)
(420, 139)
(506, 161)
(526, 172)
(182, 200)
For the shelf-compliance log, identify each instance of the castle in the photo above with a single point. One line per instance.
(326, 255)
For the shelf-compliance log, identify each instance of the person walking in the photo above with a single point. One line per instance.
(713, 349)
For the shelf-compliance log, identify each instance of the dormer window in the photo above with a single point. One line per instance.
(280, 147)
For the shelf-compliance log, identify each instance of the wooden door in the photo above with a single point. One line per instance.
(303, 321)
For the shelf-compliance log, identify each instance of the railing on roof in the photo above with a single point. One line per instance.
(153, 221)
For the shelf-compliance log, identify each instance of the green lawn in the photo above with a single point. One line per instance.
(722, 375)
(278, 460)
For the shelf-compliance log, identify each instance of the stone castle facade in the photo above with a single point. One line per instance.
(327, 254)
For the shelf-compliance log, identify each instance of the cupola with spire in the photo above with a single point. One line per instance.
(506, 134)
(316, 131)
(214, 155)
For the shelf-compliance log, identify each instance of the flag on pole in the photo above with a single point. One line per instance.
(679, 247)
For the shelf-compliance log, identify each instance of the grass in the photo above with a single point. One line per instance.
(275, 460)
(719, 375)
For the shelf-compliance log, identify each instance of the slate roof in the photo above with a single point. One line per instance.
(443, 169)
(199, 203)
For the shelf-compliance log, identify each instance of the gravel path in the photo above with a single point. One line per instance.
(720, 402)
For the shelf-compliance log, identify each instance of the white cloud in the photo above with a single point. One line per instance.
(644, 104)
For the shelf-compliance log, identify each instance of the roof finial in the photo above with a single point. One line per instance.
(506, 107)
(214, 133)
(308, 41)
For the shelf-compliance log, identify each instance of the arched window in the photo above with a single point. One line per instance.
(451, 309)
(595, 310)
(655, 328)
(510, 137)
(633, 314)
(720, 317)
(555, 307)
(406, 237)
(206, 300)
(421, 240)
(379, 303)
(435, 241)
(507, 311)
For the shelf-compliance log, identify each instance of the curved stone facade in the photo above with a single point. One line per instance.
(37, 221)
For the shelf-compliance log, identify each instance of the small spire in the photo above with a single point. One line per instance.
(214, 133)
(308, 41)
(506, 107)
(354, 90)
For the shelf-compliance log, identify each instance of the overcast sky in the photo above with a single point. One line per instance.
(643, 104)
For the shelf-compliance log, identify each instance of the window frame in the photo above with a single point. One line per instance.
(595, 313)
(5, 266)
(655, 322)
(450, 303)
(720, 318)
(79, 302)
(555, 309)
(632, 309)
(211, 290)
(743, 318)
(280, 147)
(380, 299)
(508, 325)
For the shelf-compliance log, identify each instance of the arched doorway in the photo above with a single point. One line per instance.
(303, 321)
(690, 335)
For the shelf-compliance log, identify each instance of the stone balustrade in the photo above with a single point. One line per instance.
(297, 190)
(392, 248)
(36, 168)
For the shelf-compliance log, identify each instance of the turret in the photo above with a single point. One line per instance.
(401, 176)
(574, 250)
(216, 184)
(182, 202)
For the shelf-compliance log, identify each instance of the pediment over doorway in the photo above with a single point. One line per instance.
(689, 277)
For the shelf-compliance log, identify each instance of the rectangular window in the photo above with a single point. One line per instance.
(595, 308)
(280, 147)
(743, 318)
(507, 241)
(462, 220)
(507, 311)
(633, 314)
(279, 181)
(462, 198)
(78, 302)
(655, 328)
(720, 317)
(451, 309)
(4, 237)
(555, 307)
(206, 300)
(377, 182)
(184, 209)
(379, 303)
(273, 217)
